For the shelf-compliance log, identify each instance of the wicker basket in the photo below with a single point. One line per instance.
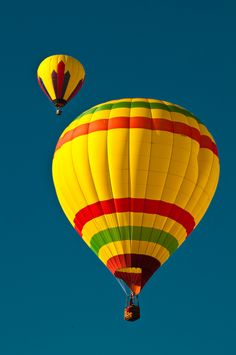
(132, 313)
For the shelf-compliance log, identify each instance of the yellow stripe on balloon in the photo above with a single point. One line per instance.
(134, 247)
(133, 270)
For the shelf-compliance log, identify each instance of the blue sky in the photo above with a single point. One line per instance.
(56, 298)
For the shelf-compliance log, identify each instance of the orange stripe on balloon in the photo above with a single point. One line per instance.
(158, 124)
(118, 205)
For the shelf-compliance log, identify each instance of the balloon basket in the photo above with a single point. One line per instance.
(132, 309)
(132, 313)
(58, 111)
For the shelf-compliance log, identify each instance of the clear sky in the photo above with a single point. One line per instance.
(56, 297)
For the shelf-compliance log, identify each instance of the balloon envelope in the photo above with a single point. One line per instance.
(135, 177)
(60, 77)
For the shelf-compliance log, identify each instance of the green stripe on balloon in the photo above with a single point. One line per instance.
(142, 104)
(133, 233)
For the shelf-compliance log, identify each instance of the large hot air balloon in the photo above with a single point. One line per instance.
(60, 77)
(135, 177)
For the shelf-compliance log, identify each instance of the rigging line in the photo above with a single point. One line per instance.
(121, 284)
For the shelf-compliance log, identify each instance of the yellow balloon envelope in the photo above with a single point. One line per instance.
(135, 177)
(60, 77)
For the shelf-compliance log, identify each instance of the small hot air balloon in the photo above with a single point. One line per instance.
(60, 77)
(135, 177)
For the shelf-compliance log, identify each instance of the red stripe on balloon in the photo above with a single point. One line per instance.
(76, 90)
(206, 142)
(41, 84)
(60, 78)
(118, 205)
(156, 124)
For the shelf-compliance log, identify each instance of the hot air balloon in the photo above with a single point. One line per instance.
(60, 77)
(135, 177)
